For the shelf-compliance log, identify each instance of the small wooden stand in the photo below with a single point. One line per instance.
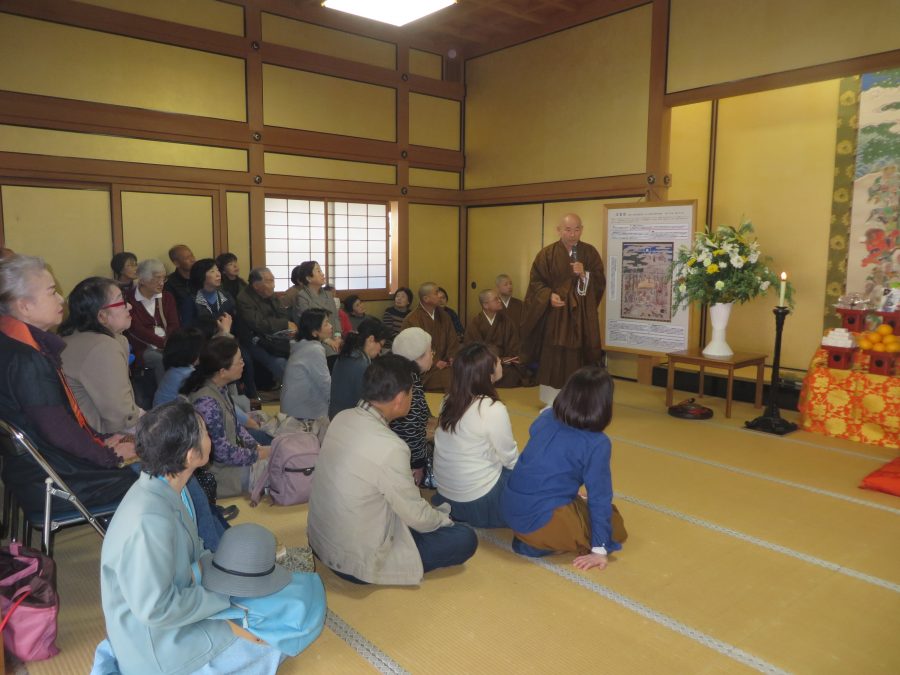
(729, 363)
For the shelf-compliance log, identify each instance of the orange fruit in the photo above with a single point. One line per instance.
(889, 338)
(892, 347)
(884, 329)
(864, 344)
(875, 338)
(879, 347)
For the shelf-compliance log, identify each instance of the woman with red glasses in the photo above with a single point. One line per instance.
(95, 360)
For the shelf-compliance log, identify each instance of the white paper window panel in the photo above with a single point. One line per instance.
(339, 221)
(298, 233)
(358, 258)
(298, 219)
(298, 258)
(317, 233)
(377, 235)
(377, 223)
(356, 209)
(273, 204)
(276, 232)
(273, 258)
(276, 245)
(376, 258)
(280, 271)
(358, 247)
(358, 221)
(354, 234)
(276, 218)
(378, 210)
(339, 247)
(378, 247)
(338, 208)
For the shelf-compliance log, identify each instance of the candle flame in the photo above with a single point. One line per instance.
(784, 276)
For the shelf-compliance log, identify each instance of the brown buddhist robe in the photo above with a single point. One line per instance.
(503, 336)
(562, 339)
(515, 310)
(444, 342)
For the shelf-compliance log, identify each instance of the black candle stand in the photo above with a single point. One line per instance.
(771, 421)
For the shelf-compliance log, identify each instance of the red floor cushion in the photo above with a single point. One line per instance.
(885, 479)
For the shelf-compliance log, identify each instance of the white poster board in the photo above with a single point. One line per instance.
(641, 242)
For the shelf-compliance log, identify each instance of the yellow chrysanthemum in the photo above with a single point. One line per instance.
(691, 262)
(838, 242)
(834, 289)
(712, 269)
(848, 98)
(841, 195)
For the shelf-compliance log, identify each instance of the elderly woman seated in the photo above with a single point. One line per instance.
(95, 360)
(157, 612)
(36, 397)
(235, 451)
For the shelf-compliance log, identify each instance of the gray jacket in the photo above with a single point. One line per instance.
(156, 614)
(306, 387)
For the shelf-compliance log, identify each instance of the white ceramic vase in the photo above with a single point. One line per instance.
(719, 313)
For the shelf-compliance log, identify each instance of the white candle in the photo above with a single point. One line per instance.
(783, 289)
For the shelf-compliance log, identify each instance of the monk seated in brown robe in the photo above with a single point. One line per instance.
(493, 327)
(515, 308)
(433, 320)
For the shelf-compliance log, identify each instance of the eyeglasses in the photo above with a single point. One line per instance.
(121, 303)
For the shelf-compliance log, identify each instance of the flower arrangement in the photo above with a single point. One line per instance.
(722, 267)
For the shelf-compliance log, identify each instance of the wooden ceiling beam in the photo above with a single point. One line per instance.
(508, 10)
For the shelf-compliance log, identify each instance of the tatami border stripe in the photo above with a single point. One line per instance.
(702, 638)
(382, 662)
(762, 543)
(755, 474)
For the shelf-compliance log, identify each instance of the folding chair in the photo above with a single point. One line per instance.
(15, 441)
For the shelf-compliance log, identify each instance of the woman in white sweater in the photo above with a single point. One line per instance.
(474, 447)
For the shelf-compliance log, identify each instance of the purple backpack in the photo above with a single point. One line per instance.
(290, 472)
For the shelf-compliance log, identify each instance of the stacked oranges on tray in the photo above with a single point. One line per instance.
(882, 339)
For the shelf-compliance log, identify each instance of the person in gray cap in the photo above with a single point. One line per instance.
(158, 615)
(367, 519)
(417, 427)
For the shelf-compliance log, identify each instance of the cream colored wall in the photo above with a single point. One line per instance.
(210, 14)
(775, 166)
(717, 41)
(434, 121)
(502, 240)
(153, 222)
(570, 105)
(312, 38)
(689, 155)
(434, 248)
(70, 229)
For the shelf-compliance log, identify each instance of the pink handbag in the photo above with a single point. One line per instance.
(29, 603)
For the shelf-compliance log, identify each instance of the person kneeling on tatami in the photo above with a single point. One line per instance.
(567, 448)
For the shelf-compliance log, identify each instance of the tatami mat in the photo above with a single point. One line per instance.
(746, 552)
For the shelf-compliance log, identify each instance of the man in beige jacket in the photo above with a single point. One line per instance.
(367, 519)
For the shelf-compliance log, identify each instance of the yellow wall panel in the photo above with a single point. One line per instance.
(689, 154)
(716, 41)
(300, 100)
(432, 178)
(34, 141)
(570, 105)
(338, 169)
(50, 59)
(502, 240)
(210, 14)
(70, 229)
(310, 37)
(775, 166)
(434, 248)
(239, 228)
(153, 222)
(433, 121)
(426, 64)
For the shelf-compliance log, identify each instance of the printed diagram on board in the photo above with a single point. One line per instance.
(647, 281)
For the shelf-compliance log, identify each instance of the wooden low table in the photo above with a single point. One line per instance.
(695, 357)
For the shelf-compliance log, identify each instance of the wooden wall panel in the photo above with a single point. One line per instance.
(720, 41)
(223, 17)
(152, 222)
(281, 30)
(50, 142)
(426, 64)
(434, 121)
(87, 65)
(299, 99)
(337, 169)
(585, 88)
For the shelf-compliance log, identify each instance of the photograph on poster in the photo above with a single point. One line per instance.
(647, 281)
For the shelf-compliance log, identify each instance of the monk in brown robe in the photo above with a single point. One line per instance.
(515, 308)
(493, 327)
(430, 317)
(561, 327)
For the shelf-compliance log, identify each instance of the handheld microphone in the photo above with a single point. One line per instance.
(573, 254)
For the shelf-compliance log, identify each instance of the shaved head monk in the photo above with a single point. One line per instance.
(431, 317)
(561, 325)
